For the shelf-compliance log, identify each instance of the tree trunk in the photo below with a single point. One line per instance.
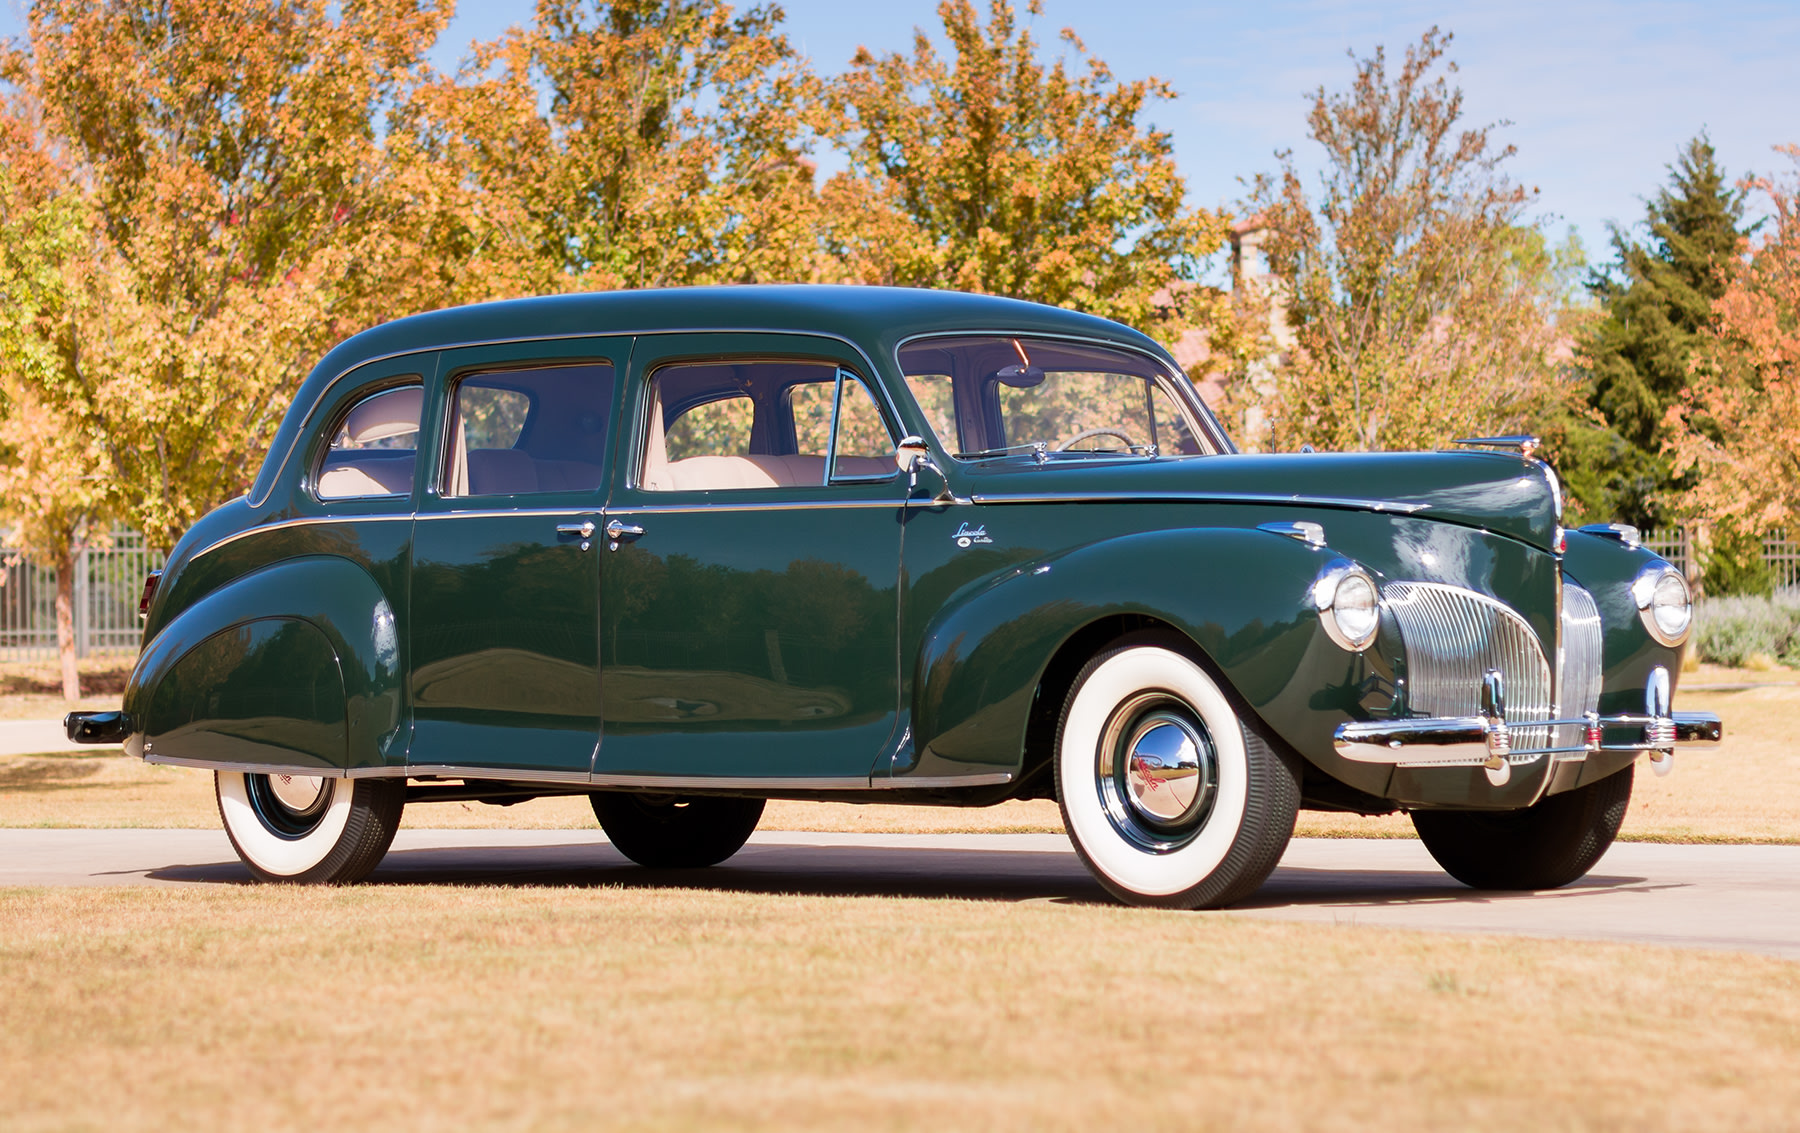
(65, 623)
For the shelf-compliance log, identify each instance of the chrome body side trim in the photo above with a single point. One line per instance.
(248, 768)
(583, 779)
(939, 782)
(1342, 503)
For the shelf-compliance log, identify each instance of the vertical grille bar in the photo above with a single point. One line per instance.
(1579, 668)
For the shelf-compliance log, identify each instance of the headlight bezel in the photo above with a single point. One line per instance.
(1327, 590)
(1649, 591)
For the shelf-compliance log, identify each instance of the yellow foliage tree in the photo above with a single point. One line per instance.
(996, 171)
(240, 196)
(636, 143)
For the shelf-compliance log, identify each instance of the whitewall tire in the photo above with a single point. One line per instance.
(309, 829)
(1169, 798)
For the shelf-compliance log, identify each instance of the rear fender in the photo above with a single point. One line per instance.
(296, 664)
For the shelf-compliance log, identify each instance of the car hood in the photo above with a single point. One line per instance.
(1499, 492)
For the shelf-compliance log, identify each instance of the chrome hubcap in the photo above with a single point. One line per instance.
(1157, 772)
(298, 793)
(1162, 768)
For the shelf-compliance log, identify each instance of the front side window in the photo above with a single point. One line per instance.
(993, 395)
(529, 430)
(374, 447)
(762, 424)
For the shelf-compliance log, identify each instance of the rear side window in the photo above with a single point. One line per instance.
(529, 430)
(374, 447)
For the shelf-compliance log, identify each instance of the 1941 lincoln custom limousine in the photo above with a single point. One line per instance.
(686, 551)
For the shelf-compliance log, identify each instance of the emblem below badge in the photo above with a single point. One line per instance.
(967, 536)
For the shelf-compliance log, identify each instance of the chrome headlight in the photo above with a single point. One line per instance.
(1664, 602)
(1349, 607)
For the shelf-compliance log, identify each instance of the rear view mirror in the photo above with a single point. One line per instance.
(1020, 376)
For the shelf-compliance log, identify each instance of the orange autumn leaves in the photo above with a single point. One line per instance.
(1738, 423)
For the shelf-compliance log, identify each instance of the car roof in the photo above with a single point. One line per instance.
(875, 318)
(862, 314)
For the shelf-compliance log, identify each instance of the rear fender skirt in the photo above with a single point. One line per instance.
(335, 597)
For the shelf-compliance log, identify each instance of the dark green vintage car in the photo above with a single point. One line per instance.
(685, 551)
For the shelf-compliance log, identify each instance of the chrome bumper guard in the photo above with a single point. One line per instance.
(1485, 740)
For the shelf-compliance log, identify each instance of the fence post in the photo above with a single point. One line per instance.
(81, 603)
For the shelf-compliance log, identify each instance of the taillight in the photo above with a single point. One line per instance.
(150, 581)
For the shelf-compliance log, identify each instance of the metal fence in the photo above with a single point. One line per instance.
(1781, 553)
(107, 586)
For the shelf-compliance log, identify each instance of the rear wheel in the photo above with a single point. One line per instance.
(1541, 847)
(309, 829)
(1169, 797)
(676, 831)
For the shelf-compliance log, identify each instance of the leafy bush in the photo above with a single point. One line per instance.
(1730, 631)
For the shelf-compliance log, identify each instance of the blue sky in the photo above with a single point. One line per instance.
(1600, 93)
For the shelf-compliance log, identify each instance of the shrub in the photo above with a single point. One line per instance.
(1730, 631)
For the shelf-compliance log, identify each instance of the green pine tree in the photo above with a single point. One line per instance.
(1656, 299)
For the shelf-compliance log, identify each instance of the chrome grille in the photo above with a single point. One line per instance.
(1453, 637)
(1579, 668)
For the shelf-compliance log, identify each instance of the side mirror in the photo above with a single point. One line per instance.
(914, 459)
(909, 451)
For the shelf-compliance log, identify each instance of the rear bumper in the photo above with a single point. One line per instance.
(97, 727)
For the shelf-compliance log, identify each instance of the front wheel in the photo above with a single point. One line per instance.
(310, 829)
(1170, 799)
(676, 831)
(1541, 847)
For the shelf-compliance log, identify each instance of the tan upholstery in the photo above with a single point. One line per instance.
(377, 473)
(500, 472)
(711, 473)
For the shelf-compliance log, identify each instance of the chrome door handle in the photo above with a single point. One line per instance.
(616, 531)
(584, 529)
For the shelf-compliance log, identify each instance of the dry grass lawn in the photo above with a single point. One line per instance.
(1747, 790)
(659, 1008)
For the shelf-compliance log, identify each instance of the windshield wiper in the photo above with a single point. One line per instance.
(1038, 449)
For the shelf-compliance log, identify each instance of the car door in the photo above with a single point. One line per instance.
(751, 593)
(504, 665)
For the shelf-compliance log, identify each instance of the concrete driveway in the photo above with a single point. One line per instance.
(1721, 897)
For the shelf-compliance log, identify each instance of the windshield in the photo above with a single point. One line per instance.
(993, 395)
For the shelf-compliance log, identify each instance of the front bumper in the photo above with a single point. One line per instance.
(1486, 740)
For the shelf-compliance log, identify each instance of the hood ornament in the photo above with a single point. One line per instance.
(1520, 443)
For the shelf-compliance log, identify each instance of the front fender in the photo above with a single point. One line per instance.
(1241, 596)
(274, 664)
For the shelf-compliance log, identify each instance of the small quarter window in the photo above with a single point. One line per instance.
(374, 447)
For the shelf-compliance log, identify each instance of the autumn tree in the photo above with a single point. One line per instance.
(1735, 427)
(1658, 299)
(996, 170)
(54, 490)
(233, 166)
(1422, 304)
(636, 143)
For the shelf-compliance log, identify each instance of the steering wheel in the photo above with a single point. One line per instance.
(1085, 434)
